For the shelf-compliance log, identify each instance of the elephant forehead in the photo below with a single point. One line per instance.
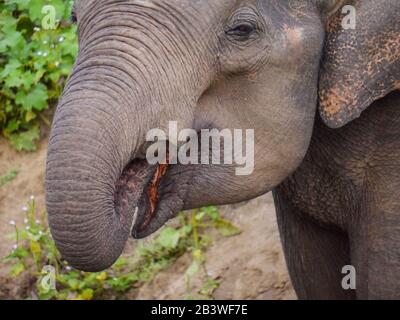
(193, 12)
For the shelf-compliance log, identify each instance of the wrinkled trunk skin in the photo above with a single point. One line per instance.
(361, 65)
(118, 91)
(81, 176)
(99, 129)
(115, 95)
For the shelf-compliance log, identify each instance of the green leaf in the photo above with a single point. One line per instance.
(209, 287)
(73, 283)
(169, 238)
(226, 228)
(22, 4)
(198, 255)
(120, 263)
(30, 115)
(28, 79)
(212, 212)
(86, 294)
(12, 126)
(8, 177)
(17, 269)
(19, 253)
(35, 249)
(25, 141)
(35, 99)
(102, 276)
(11, 66)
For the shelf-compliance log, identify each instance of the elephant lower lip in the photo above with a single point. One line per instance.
(137, 191)
(130, 189)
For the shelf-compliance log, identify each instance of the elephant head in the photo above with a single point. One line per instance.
(205, 64)
(361, 65)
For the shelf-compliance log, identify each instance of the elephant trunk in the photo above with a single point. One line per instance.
(93, 141)
(127, 80)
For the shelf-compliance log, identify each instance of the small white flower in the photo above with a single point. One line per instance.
(41, 233)
(24, 208)
(15, 247)
(68, 268)
(39, 53)
(12, 223)
(45, 54)
(32, 197)
(61, 39)
(53, 46)
(57, 63)
(45, 42)
(27, 228)
(37, 221)
(36, 29)
(26, 221)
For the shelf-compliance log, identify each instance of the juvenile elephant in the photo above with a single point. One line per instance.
(224, 65)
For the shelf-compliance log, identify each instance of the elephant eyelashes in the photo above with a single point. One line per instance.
(243, 25)
(242, 32)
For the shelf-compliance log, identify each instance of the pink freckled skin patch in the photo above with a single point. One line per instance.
(294, 36)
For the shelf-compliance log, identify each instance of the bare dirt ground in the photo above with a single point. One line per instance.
(249, 266)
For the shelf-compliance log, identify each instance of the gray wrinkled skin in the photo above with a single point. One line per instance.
(143, 63)
(341, 206)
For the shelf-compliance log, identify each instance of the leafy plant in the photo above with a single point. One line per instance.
(34, 64)
(8, 177)
(35, 253)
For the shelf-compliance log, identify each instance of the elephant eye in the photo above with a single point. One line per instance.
(242, 31)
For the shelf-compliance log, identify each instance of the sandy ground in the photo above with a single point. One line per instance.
(249, 266)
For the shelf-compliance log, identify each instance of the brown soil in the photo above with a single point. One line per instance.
(248, 266)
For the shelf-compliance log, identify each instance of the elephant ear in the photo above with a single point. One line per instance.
(360, 65)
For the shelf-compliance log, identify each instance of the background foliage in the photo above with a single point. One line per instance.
(35, 251)
(34, 64)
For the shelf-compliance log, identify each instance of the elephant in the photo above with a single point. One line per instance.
(259, 64)
(340, 207)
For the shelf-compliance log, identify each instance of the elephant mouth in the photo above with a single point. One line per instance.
(138, 200)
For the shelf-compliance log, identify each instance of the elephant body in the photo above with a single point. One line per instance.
(226, 65)
(342, 207)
